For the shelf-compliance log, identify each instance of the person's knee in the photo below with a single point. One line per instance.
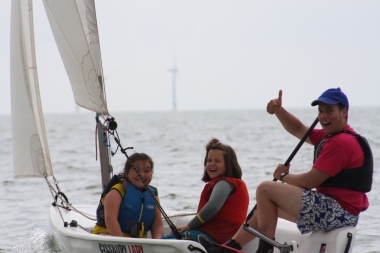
(264, 187)
(268, 190)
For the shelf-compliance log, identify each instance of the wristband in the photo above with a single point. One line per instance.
(200, 219)
(283, 174)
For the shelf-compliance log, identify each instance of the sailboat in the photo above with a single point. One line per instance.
(74, 26)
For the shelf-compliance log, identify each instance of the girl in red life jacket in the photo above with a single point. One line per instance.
(224, 200)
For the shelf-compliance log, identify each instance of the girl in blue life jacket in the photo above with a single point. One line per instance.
(126, 208)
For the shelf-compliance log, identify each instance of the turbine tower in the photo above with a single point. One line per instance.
(174, 72)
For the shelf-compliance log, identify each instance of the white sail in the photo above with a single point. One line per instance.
(31, 157)
(75, 29)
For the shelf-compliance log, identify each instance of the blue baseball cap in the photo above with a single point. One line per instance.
(332, 97)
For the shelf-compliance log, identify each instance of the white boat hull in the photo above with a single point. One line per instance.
(80, 240)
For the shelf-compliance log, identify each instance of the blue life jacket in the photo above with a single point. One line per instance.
(357, 179)
(137, 211)
(100, 210)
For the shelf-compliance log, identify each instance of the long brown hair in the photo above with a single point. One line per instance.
(230, 159)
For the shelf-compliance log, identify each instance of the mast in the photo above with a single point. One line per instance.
(106, 168)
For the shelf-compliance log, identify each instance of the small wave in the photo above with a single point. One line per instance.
(38, 241)
(170, 196)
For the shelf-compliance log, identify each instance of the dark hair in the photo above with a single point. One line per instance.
(341, 107)
(230, 159)
(135, 157)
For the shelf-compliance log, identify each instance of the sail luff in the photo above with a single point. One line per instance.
(31, 157)
(92, 34)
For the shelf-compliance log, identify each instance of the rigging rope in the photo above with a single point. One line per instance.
(51, 188)
(65, 204)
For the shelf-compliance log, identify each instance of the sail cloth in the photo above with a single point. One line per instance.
(75, 29)
(31, 157)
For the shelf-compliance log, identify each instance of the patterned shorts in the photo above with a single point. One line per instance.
(322, 213)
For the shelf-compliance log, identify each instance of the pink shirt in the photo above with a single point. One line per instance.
(341, 151)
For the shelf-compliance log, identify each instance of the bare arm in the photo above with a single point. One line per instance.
(112, 204)
(291, 124)
(157, 229)
(309, 180)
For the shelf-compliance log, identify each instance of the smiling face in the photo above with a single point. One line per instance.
(215, 165)
(331, 118)
(145, 169)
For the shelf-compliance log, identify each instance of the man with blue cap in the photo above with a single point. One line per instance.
(332, 192)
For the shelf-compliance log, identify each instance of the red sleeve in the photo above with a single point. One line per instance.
(316, 136)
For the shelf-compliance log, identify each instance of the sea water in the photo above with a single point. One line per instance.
(176, 142)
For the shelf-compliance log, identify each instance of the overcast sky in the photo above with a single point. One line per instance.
(230, 54)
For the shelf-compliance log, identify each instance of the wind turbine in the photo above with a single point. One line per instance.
(174, 72)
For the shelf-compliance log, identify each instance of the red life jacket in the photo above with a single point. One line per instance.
(223, 225)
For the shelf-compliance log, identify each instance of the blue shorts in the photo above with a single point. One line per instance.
(322, 213)
(190, 235)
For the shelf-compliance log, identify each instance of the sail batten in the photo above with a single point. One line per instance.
(31, 157)
(76, 34)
